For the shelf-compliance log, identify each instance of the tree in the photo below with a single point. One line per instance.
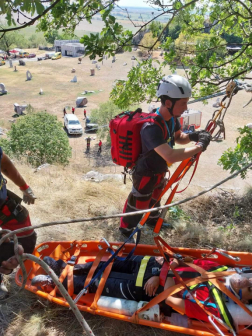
(205, 73)
(51, 36)
(40, 138)
(35, 40)
(9, 41)
(241, 155)
(147, 42)
(102, 116)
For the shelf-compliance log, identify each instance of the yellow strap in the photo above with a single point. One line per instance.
(142, 268)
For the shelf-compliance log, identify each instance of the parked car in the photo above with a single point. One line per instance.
(49, 55)
(72, 124)
(31, 55)
(56, 56)
(2, 62)
(92, 128)
(23, 54)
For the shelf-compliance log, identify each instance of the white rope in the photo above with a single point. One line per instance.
(78, 220)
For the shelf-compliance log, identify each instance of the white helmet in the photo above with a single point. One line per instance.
(174, 86)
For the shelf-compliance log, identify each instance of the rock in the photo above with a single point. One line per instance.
(84, 92)
(45, 165)
(94, 62)
(41, 92)
(124, 64)
(92, 72)
(21, 62)
(95, 176)
(73, 70)
(133, 58)
(74, 80)
(28, 75)
(91, 92)
(2, 89)
(249, 125)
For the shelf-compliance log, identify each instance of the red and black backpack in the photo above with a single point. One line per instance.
(125, 128)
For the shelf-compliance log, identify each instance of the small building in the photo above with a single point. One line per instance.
(71, 48)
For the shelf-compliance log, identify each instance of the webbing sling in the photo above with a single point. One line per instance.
(68, 271)
(113, 256)
(176, 177)
(175, 289)
(142, 269)
(213, 276)
(103, 282)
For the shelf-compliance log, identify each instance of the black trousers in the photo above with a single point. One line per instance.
(121, 281)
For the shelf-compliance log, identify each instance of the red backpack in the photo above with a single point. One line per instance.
(125, 128)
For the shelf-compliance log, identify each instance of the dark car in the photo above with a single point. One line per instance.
(31, 55)
(91, 127)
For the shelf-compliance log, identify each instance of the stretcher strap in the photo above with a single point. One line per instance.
(68, 271)
(160, 220)
(94, 266)
(196, 160)
(174, 290)
(162, 296)
(104, 266)
(176, 177)
(213, 277)
(102, 283)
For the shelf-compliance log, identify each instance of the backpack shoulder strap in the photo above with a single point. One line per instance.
(156, 119)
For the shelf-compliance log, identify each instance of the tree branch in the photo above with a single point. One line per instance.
(33, 20)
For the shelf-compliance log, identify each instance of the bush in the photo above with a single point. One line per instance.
(102, 117)
(237, 158)
(40, 138)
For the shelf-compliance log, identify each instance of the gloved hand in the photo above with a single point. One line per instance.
(204, 140)
(194, 136)
(28, 196)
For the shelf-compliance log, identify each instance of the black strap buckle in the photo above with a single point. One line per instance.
(72, 261)
(17, 209)
(177, 256)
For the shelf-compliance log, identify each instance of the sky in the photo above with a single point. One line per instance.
(132, 3)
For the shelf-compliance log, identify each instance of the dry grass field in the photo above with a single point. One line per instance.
(222, 218)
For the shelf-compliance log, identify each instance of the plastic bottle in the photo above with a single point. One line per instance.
(178, 320)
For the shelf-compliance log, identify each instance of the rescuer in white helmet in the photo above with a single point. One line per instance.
(157, 150)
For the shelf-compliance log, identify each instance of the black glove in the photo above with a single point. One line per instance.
(194, 136)
(204, 140)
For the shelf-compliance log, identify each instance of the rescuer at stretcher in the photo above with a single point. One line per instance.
(141, 278)
(13, 216)
(149, 173)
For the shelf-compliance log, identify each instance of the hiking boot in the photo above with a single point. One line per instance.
(124, 234)
(56, 265)
(3, 291)
(42, 280)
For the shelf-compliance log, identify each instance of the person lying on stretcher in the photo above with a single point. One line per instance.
(141, 278)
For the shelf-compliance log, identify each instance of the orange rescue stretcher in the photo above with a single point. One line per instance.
(97, 250)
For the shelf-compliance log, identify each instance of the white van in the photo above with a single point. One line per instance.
(72, 124)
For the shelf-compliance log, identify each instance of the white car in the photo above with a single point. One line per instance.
(72, 124)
